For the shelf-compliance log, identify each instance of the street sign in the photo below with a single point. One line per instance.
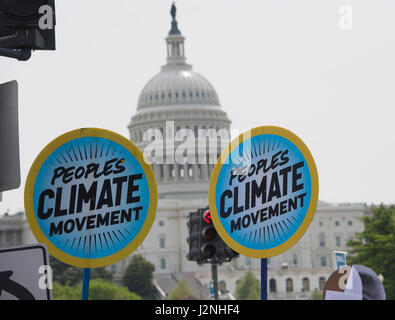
(91, 197)
(340, 258)
(263, 192)
(25, 273)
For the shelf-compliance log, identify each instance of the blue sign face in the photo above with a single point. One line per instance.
(340, 259)
(91, 198)
(263, 195)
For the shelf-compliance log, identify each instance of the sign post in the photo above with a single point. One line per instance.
(85, 283)
(91, 197)
(263, 193)
(263, 279)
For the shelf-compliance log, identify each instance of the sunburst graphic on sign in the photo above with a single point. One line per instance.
(264, 191)
(90, 195)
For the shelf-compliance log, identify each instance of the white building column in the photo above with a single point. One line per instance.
(166, 173)
(195, 171)
(186, 172)
(176, 172)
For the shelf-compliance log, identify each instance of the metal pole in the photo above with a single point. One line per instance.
(85, 283)
(214, 274)
(263, 279)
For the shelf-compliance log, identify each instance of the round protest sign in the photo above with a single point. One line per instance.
(263, 192)
(91, 197)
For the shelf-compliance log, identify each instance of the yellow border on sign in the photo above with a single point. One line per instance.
(31, 215)
(267, 253)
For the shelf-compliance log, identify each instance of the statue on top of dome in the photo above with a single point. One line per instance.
(173, 10)
(174, 26)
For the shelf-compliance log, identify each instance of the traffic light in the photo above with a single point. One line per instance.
(9, 137)
(194, 224)
(26, 25)
(205, 244)
(209, 237)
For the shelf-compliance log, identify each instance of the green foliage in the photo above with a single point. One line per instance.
(61, 292)
(248, 288)
(99, 289)
(375, 246)
(65, 274)
(138, 277)
(181, 290)
(316, 295)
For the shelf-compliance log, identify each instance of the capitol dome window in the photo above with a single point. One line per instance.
(190, 171)
(176, 94)
(172, 171)
(181, 172)
(184, 95)
(191, 94)
(199, 171)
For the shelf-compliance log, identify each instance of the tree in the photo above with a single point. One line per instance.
(138, 277)
(61, 292)
(105, 290)
(181, 290)
(99, 289)
(69, 275)
(316, 295)
(248, 288)
(375, 246)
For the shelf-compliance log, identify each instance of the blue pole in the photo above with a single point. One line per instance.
(85, 283)
(263, 279)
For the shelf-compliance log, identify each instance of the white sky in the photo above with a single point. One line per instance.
(273, 62)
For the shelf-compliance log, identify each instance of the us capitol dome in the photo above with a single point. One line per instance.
(178, 93)
(179, 98)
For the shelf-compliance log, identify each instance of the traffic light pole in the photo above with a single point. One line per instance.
(214, 275)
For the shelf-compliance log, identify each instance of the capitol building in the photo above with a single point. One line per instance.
(177, 101)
